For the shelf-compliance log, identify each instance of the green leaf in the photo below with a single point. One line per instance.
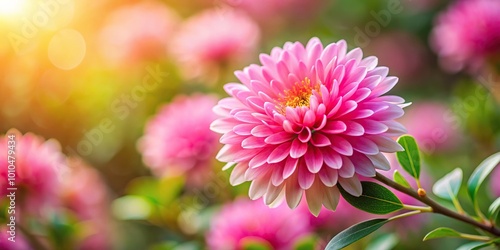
(483, 246)
(255, 243)
(494, 210)
(480, 174)
(399, 179)
(355, 233)
(469, 246)
(448, 186)
(375, 199)
(410, 157)
(306, 243)
(441, 232)
(384, 241)
(132, 207)
(159, 191)
(480, 245)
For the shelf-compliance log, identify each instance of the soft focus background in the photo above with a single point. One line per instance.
(126, 90)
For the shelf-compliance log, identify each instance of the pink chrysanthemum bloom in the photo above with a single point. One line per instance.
(178, 139)
(308, 119)
(467, 34)
(245, 220)
(137, 32)
(231, 38)
(38, 166)
(80, 181)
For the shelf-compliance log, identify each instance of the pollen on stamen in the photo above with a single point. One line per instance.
(297, 96)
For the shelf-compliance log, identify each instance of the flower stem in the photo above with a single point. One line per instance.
(475, 237)
(399, 216)
(457, 205)
(418, 208)
(436, 207)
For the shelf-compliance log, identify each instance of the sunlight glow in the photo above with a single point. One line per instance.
(11, 7)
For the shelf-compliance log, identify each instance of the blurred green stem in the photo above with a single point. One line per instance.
(399, 216)
(436, 207)
(418, 208)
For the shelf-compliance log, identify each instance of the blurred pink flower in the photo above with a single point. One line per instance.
(245, 220)
(212, 39)
(178, 139)
(269, 12)
(78, 183)
(307, 119)
(401, 52)
(20, 241)
(137, 32)
(335, 221)
(38, 167)
(467, 34)
(495, 183)
(432, 126)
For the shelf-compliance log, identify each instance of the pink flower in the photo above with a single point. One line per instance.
(136, 32)
(85, 194)
(38, 166)
(401, 52)
(214, 38)
(244, 220)
(269, 12)
(467, 34)
(494, 183)
(178, 139)
(20, 241)
(431, 123)
(307, 119)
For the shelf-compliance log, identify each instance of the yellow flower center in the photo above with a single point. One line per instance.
(298, 95)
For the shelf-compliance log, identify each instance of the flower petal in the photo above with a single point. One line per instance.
(320, 140)
(314, 197)
(314, 160)
(293, 192)
(351, 185)
(238, 174)
(341, 145)
(305, 135)
(258, 188)
(328, 176)
(331, 197)
(253, 142)
(279, 153)
(278, 138)
(362, 165)
(306, 178)
(347, 170)
(290, 166)
(364, 145)
(380, 161)
(298, 149)
(331, 158)
(334, 127)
